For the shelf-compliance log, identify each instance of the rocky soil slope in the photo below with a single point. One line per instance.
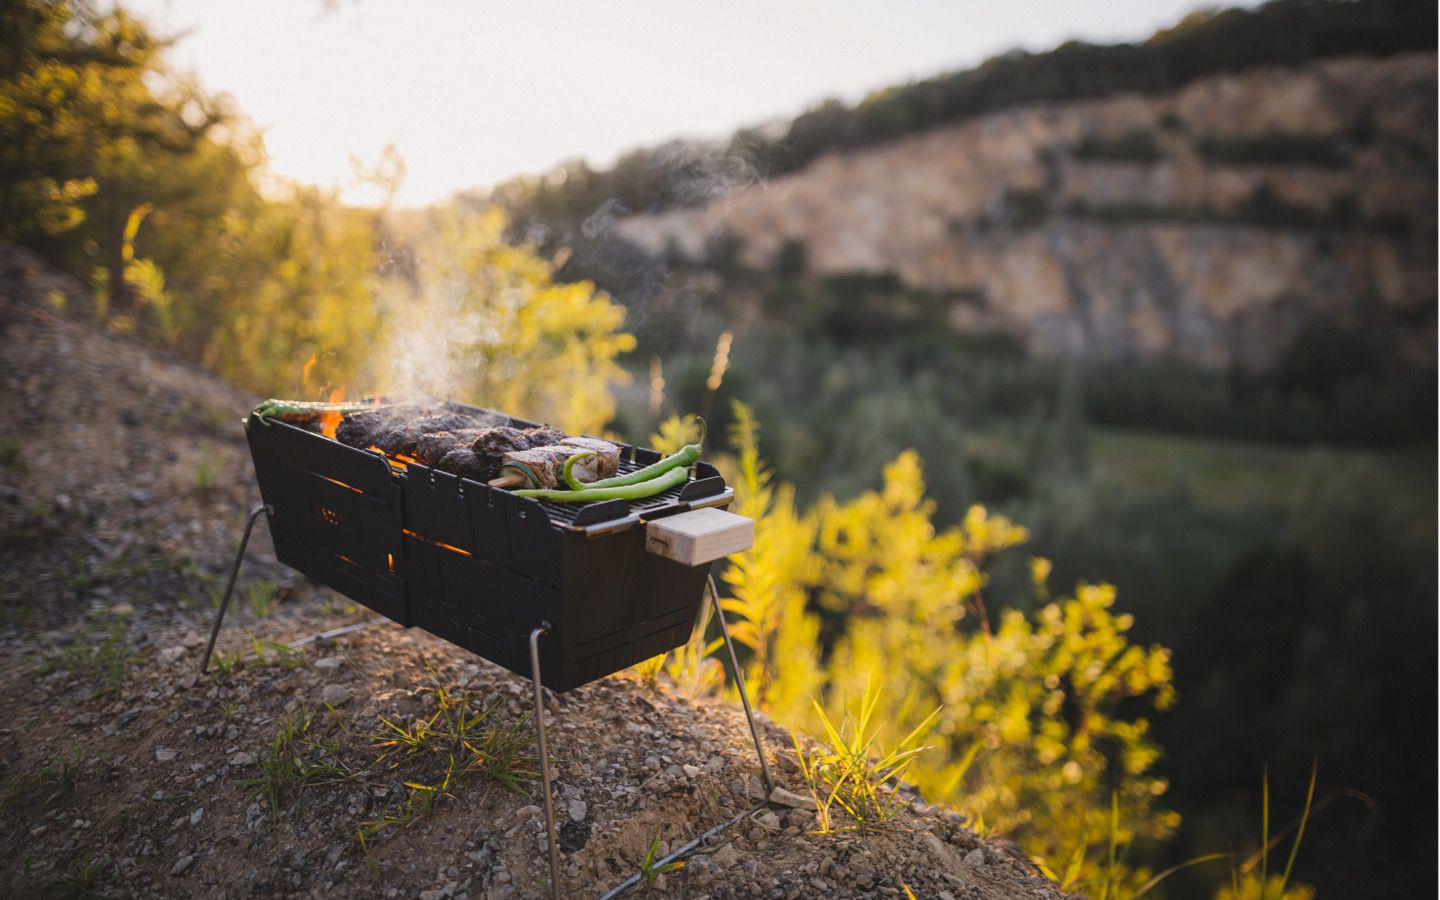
(1209, 223)
(123, 772)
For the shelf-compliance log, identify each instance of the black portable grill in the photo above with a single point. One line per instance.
(561, 593)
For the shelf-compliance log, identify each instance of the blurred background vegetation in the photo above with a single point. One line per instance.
(1270, 536)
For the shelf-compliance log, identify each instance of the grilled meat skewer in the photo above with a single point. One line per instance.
(542, 466)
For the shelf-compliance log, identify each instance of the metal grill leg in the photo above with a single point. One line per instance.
(544, 758)
(230, 585)
(740, 683)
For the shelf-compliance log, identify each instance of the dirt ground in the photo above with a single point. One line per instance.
(378, 762)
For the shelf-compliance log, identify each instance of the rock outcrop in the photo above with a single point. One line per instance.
(1209, 223)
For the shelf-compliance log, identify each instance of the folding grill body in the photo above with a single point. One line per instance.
(481, 567)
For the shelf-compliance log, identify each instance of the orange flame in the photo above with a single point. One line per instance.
(306, 369)
(329, 421)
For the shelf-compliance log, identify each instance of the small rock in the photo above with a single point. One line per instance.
(769, 820)
(690, 771)
(335, 694)
(329, 662)
(196, 816)
(171, 655)
(163, 754)
(791, 799)
(975, 857)
(126, 718)
(526, 812)
(183, 864)
(577, 810)
(140, 496)
(484, 857)
(725, 857)
(241, 758)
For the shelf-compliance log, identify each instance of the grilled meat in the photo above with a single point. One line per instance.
(467, 464)
(603, 464)
(543, 436)
(545, 465)
(541, 464)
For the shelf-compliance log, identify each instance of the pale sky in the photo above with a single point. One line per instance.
(471, 93)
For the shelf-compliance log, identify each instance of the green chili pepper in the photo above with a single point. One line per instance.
(280, 409)
(638, 491)
(682, 457)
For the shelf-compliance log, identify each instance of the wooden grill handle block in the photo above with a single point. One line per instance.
(700, 536)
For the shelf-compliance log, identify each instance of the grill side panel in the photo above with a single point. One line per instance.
(335, 517)
(476, 566)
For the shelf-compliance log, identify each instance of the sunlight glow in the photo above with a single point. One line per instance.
(473, 93)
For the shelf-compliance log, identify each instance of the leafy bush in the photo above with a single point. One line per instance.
(1030, 737)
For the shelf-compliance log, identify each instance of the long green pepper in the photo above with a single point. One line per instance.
(650, 488)
(685, 456)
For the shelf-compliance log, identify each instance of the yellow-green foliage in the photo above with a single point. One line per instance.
(483, 320)
(849, 770)
(766, 605)
(1249, 887)
(304, 267)
(1028, 740)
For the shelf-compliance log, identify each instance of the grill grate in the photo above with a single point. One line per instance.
(567, 516)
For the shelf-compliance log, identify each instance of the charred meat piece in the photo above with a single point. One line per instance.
(543, 436)
(431, 448)
(466, 463)
(603, 464)
(496, 442)
(403, 439)
(361, 429)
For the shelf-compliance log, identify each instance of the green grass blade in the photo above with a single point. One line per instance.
(1264, 828)
(1209, 857)
(1300, 835)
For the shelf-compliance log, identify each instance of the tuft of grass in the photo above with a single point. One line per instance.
(650, 869)
(205, 474)
(261, 597)
(105, 659)
(10, 456)
(296, 760)
(1245, 884)
(282, 655)
(47, 789)
(850, 771)
(467, 739)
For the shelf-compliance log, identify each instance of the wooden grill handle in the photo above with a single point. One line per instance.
(699, 536)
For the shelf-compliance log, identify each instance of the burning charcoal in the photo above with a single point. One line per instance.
(465, 463)
(603, 464)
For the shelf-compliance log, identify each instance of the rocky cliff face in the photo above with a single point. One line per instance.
(1209, 223)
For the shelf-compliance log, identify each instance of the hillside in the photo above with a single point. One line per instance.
(1209, 223)
(125, 773)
